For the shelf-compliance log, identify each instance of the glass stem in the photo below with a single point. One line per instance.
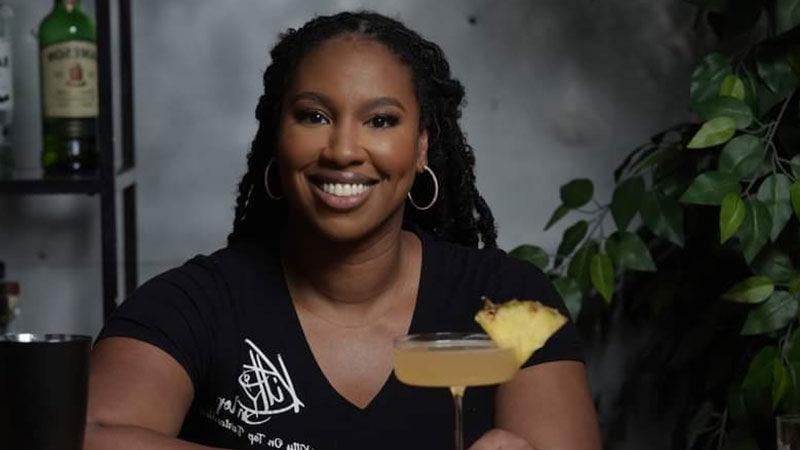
(458, 397)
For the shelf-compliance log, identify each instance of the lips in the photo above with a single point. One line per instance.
(341, 191)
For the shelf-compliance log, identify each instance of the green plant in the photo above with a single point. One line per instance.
(703, 241)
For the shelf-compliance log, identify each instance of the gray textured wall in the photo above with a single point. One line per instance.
(556, 90)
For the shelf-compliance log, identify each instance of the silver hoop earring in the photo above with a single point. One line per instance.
(435, 193)
(266, 182)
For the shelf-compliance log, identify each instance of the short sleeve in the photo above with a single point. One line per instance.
(173, 312)
(524, 281)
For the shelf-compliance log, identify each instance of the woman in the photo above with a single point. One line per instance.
(284, 338)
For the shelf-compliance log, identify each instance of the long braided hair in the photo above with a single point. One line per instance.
(460, 215)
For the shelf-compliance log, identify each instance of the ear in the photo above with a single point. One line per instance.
(422, 150)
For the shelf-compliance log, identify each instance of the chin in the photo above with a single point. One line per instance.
(353, 227)
(345, 230)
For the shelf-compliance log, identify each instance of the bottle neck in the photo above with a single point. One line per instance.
(69, 5)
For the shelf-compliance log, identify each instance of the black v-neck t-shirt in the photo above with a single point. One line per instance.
(228, 320)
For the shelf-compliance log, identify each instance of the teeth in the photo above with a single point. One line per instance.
(344, 190)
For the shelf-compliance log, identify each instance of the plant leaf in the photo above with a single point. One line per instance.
(793, 56)
(710, 188)
(714, 132)
(774, 69)
(572, 237)
(750, 290)
(731, 216)
(570, 292)
(759, 374)
(580, 264)
(532, 254)
(627, 250)
(775, 264)
(780, 382)
(794, 284)
(774, 193)
(732, 86)
(742, 156)
(664, 217)
(794, 163)
(787, 15)
(772, 315)
(794, 193)
(755, 230)
(657, 157)
(726, 107)
(791, 351)
(708, 76)
(577, 193)
(602, 274)
(791, 354)
(558, 214)
(626, 201)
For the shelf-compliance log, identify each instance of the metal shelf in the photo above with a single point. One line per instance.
(34, 182)
(107, 183)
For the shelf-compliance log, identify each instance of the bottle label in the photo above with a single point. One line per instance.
(6, 78)
(69, 80)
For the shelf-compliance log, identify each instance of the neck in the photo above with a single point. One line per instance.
(353, 273)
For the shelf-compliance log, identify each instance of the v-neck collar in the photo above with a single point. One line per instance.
(296, 335)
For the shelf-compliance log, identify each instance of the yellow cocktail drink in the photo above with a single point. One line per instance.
(451, 360)
(451, 364)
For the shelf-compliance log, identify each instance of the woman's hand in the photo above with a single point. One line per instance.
(497, 439)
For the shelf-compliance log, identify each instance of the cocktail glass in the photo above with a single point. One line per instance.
(455, 361)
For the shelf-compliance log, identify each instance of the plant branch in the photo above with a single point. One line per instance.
(760, 129)
(597, 223)
(777, 122)
(721, 432)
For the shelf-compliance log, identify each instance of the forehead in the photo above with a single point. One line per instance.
(354, 67)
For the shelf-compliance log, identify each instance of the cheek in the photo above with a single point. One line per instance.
(299, 147)
(395, 153)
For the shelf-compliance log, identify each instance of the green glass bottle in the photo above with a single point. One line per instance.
(68, 72)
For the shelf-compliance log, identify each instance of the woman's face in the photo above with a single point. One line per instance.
(349, 142)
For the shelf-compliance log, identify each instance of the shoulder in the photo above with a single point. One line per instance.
(489, 269)
(206, 281)
(226, 266)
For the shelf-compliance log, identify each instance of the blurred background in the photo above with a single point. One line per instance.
(556, 91)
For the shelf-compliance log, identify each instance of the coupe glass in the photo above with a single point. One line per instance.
(455, 361)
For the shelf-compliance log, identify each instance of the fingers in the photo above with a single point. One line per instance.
(498, 439)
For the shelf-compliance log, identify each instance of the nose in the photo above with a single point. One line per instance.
(343, 149)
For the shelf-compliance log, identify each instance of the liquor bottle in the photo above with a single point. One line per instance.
(6, 91)
(9, 298)
(68, 69)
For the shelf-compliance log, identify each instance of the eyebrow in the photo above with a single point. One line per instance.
(325, 100)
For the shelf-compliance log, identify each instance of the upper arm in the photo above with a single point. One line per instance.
(137, 384)
(550, 406)
(154, 351)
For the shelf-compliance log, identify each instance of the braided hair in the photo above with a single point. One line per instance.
(460, 214)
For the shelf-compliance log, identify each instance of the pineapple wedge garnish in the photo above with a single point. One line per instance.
(523, 326)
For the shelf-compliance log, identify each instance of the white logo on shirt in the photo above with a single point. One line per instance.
(268, 388)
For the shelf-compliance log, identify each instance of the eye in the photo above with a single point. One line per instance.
(311, 116)
(383, 121)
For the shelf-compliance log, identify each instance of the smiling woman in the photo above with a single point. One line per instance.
(350, 140)
(284, 339)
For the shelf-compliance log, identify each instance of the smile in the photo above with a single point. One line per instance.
(344, 190)
(341, 191)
